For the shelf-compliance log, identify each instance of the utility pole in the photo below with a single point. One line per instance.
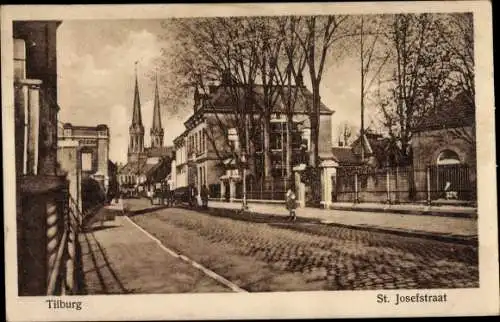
(362, 130)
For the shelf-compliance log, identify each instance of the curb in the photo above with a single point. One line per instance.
(450, 238)
(450, 213)
(457, 239)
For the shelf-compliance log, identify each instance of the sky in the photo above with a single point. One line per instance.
(96, 80)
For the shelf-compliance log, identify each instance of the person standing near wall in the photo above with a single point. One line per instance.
(291, 204)
(204, 196)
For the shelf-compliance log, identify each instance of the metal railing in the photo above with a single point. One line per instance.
(406, 184)
(61, 247)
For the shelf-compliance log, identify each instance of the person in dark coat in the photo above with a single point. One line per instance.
(204, 196)
(193, 193)
(291, 204)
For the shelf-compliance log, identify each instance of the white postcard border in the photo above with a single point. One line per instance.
(481, 301)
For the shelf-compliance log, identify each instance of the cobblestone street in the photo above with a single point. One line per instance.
(260, 254)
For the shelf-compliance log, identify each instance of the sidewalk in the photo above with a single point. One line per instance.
(412, 209)
(446, 228)
(119, 258)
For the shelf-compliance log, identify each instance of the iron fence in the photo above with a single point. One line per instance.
(270, 189)
(273, 189)
(450, 183)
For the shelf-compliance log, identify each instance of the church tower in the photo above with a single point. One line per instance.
(136, 129)
(156, 129)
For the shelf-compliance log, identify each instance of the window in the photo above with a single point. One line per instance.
(87, 161)
(19, 59)
(276, 136)
(203, 141)
(448, 157)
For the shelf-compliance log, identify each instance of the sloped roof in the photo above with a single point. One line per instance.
(141, 167)
(345, 156)
(222, 98)
(131, 168)
(163, 151)
(458, 112)
(383, 149)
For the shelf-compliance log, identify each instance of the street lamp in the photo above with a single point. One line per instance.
(243, 160)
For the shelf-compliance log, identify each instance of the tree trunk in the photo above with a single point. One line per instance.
(266, 148)
(289, 128)
(314, 158)
(314, 118)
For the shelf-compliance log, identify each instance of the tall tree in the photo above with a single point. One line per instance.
(289, 79)
(421, 69)
(456, 33)
(317, 35)
(372, 61)
(222, 50)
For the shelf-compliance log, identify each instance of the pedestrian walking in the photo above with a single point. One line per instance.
(193, 196)
(204, 196)
(291, 204)
(169, 193)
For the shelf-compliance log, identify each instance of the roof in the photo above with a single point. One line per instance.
(163, 151)
(142, 167)
(131, 168)
(345, 156)
(136, 112)
(222, 98)
(383, 149)
(458, 112)
(156, 110)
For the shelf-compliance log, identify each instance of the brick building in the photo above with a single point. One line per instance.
(204, 153)
(445, 142)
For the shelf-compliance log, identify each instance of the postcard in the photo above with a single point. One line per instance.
(249, 161)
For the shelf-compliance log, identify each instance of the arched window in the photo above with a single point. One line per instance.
(448, 157)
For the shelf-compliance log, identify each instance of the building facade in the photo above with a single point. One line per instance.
(444, 144)
(83, 152)
(41, 186)
(205, 154)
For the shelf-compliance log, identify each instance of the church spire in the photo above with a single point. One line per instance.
(136, 118)
(156, 129)
(136, 129)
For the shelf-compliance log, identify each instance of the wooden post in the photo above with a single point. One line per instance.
(428, 177)
(356, 197)
(388, 186)
(396, 183)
